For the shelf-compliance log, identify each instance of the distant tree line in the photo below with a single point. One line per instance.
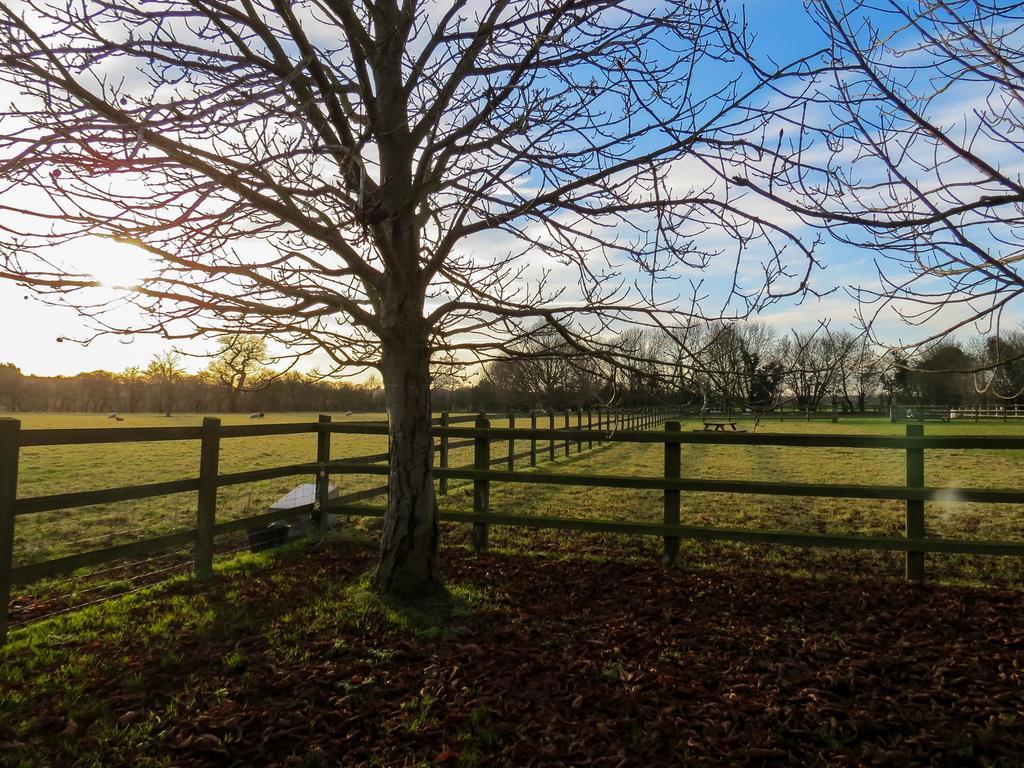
(751, 366)
(237, 379)
(716, 366)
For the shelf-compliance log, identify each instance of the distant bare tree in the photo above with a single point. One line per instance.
(1003, 358)
(735, 365)
(166, 375)
(12, 386)
(240, 365)
(134, 381)
(392, 184)
(860, 370)
(542, 369)
(817, 363)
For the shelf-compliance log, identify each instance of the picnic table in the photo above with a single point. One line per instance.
(719, 425)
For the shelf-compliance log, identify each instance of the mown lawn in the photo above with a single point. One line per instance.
(558, 657)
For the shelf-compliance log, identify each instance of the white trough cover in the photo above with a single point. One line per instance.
(302, 494)
(297, 497)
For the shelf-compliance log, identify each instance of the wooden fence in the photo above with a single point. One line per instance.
(956, 413)
(483, 435)
(594, 423)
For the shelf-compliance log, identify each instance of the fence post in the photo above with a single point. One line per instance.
(567, 427)
(579, 428)
(442, 483)
(481, 487)
(673, 470)
(599, 441)
(10, 430)
(915, 507)
(533, 440)
(590, 429)
(206, 517)
(551, 442)
(512, 443)
(323, 477)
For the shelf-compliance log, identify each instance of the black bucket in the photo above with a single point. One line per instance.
(274, 535)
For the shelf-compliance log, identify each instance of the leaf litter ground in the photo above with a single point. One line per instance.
(550, 658)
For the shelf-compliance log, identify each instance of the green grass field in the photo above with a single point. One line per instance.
(849, 666)
(954, 468)
(62, 469)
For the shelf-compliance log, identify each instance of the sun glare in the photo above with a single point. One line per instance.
(113, 264)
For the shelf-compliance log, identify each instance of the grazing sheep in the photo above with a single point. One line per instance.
(256, 415)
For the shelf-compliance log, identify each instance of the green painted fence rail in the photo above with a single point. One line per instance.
(565, 430)
(209, 437)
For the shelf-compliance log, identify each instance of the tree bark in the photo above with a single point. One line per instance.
(408, 568)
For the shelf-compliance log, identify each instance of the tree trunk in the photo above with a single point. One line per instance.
(408, 568)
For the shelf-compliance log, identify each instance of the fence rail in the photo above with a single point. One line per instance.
(544, 442)
(1004, 413)
(209, 436)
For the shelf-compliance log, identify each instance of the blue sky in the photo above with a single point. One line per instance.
(783, 30)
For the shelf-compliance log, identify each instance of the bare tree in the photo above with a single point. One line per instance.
(393, 184)
(736, 365)
(133, 379)
(166, 375)
(1003, 358)
(922, 159)
(860, 370)
(240, 366)
(541, 368)
(12, 386)
(817, 364)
